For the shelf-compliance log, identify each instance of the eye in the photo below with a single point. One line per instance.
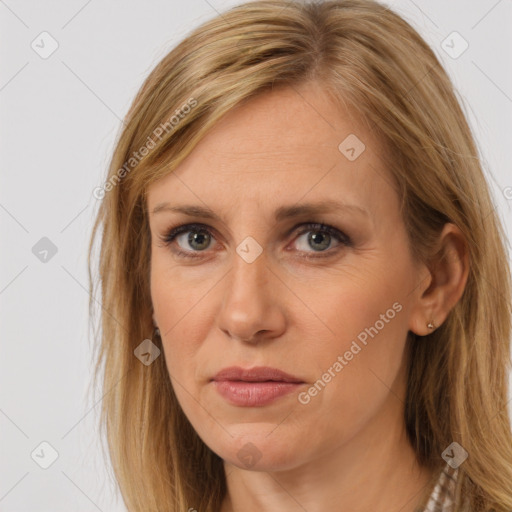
(320, 237)
(198, 237)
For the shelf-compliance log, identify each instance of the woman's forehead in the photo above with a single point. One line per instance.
(299, 120)
(284, 143)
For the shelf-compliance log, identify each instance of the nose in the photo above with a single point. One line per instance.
(251, 308)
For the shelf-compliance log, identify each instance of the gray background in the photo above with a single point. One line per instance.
(60, 117)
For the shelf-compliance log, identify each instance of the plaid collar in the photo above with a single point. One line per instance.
(442, 496)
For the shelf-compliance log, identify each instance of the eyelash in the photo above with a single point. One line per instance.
(169, 237)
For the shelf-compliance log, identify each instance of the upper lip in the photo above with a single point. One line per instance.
(256, 374)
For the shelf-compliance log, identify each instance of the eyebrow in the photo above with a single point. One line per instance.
(281, 213)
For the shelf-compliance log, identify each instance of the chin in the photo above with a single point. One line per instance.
(260, 451)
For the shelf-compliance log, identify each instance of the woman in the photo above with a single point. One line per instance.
(305, 291)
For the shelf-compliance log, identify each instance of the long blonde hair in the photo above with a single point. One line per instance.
(366, 56)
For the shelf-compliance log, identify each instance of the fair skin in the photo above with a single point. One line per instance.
(345, 449)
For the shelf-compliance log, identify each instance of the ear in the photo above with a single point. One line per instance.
(446, 279)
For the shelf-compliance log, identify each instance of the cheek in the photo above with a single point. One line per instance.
(176, 292)
(177, 305)
(356, 373)
(368, 308)
(365, 350)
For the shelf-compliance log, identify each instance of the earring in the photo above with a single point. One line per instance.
(431, 325)
(156, 332)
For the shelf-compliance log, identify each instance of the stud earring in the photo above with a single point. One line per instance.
(431, 325)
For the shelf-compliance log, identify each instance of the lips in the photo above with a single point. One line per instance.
(256, 374)
(254, 387)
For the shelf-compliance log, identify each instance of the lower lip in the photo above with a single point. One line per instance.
(254, 394)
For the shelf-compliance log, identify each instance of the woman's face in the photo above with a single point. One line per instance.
(256, 286)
